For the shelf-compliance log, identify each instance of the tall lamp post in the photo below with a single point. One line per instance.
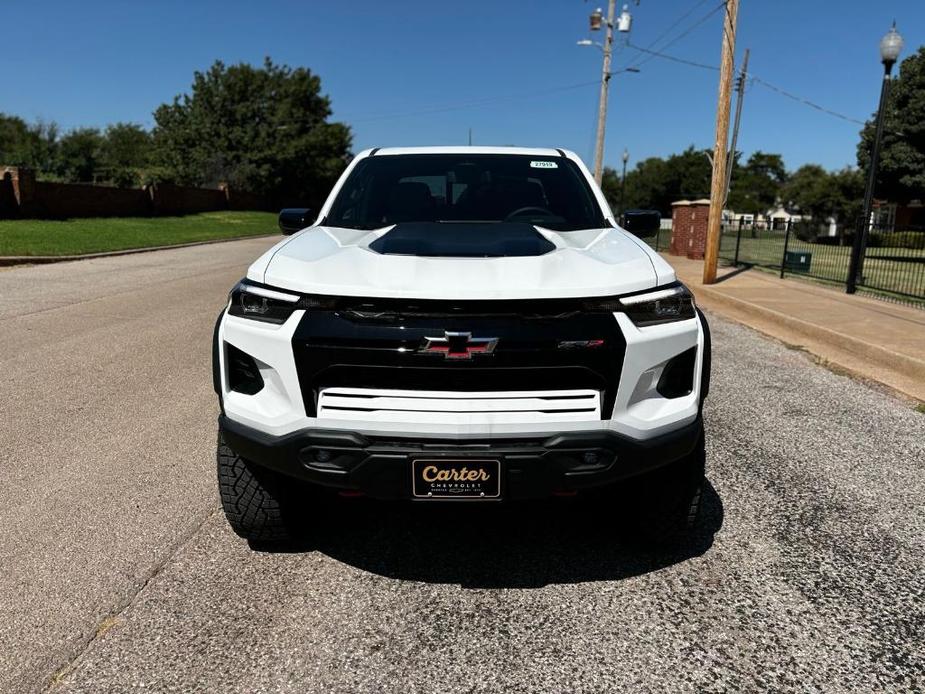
(890, 47)
(626, 158)
(597, 21)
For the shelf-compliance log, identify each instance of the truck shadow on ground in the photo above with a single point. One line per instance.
(522, 545)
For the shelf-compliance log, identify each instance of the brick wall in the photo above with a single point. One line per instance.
(689, 228)
(22, 196)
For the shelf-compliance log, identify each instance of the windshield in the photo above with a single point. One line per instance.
(546, 191)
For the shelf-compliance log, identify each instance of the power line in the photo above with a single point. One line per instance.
(695, 25)
(755, 80)
(487, 101)
(680, 36)
(680, 19)
(514, 97)
(675, 59)
(802, 100)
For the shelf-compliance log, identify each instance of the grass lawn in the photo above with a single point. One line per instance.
(77, 236)
(890, 269)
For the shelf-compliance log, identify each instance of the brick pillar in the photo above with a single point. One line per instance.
(680, 227)
(697, 238)
(23, 181)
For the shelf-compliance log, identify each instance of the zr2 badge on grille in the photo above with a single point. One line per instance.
(456, 479)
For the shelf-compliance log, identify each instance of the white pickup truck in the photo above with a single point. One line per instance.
(461, 325)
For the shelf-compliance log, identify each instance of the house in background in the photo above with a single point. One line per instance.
(890, 216)
(775, 218)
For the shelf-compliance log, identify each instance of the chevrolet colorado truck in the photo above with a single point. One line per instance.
(461, 325)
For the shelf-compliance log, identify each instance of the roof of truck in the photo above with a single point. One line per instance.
(468, 149)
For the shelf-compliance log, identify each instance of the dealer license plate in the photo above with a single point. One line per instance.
(456, 479)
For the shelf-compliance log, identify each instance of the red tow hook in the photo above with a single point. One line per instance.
(350, 493)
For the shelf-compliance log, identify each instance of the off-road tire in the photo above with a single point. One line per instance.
(664, 506)
(257, 503)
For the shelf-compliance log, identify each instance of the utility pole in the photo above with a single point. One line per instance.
(623, 23)
(718, 182)
(602, 104)
(740, 97)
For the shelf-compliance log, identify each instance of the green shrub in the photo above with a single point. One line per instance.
(904, 239)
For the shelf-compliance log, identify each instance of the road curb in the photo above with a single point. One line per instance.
(894, 369)
(12, 260)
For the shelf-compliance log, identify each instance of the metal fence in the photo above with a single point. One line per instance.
(661, 240)
(894, 261)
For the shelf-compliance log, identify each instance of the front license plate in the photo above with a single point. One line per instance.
(456, 479)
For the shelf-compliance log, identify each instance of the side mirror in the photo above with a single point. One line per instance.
(642, 223)
(294, 219)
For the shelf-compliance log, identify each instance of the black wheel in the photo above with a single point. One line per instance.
(664, 506)
(258, 504)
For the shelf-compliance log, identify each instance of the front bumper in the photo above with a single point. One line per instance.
(535, 467)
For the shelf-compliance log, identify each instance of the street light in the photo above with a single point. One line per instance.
(596, 22)
(626, 158)
(890, 47)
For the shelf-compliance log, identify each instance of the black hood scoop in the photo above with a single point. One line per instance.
(463, 240)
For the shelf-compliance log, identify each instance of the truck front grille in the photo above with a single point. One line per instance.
(340, 351)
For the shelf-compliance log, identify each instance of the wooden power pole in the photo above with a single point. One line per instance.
(718, 183)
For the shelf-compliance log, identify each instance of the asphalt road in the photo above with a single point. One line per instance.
(118, 573)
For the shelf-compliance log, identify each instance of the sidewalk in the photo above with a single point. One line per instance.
(866, 337)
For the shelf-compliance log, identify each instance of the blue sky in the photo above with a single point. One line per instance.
(412, 73)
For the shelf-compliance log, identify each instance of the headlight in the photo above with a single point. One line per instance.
(261, 303)
(254, 301)
(672, 303)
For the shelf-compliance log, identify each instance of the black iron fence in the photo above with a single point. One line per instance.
(661, 240)
(894, 260)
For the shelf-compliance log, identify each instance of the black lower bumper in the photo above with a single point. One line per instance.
(380, 467)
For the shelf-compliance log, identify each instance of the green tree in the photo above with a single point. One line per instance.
(610, 185)
(813, 191)
(79, 155)
(125, 154)
(756, 186)
(21, 144)
(901, 173)
(655, 183)
(261, 129)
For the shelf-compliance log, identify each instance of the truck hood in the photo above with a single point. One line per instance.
(352, 262)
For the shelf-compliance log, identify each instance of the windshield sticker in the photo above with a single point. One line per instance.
(543, 165)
